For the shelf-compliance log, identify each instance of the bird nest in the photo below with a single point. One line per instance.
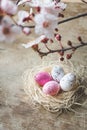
(64, 100)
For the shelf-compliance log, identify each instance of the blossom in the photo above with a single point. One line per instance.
(23, 15)
(47, 18)
(35, 3)
(50, 6)
(45, 24)
(53, 8)
(8, 30)
(8, 6)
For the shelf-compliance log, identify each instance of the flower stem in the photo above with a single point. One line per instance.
(58, 50)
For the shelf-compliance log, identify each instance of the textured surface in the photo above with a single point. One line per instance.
(16, 110)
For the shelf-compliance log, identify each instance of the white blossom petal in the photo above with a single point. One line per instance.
(21, 15)
(16, 29)
(7, 21)
(39, 29)
(11, 30)
(34, 42)
(45, 17)
(31, 11)
(38, 18)
(62, 5)
(9, 7)
(26, 30)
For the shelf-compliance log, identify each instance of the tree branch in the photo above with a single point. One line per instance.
(72, 18)
(59, 50)
(84, 1)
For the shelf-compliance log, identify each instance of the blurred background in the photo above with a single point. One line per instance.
(16, 110)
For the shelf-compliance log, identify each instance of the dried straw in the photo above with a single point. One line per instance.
(63, 100)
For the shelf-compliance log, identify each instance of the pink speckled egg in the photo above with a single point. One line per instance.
(51, 88)
(42, 78)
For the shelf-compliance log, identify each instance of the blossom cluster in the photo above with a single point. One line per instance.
(44, 17)
(8, 29)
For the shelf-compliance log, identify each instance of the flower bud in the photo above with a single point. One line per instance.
(45, 40)
(80, 39)
(58, 37)
(35, 47)
(61, 53)
(68, 56)
(69, 43)
(38, 9)
(61, 58)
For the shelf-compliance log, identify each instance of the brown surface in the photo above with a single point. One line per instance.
(16, 110)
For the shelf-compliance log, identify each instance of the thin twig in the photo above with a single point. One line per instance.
(84, 1)
(58, 50)
(17, 1)
(47, 47)
(72, 18)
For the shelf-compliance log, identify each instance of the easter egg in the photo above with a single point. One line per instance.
(68, 82)
(42, 77)
(51, 88)
(57, 73)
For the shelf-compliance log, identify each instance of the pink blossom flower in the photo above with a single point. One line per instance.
(8, 31)
(8, 6)
(47, 19)
(21, 15)
(51, 6)
(45, 24)
(35, 3)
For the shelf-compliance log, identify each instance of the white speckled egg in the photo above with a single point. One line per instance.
(51, 88)
(68, 82)
(57, 73)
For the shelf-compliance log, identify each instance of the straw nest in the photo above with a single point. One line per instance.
(64, 100)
